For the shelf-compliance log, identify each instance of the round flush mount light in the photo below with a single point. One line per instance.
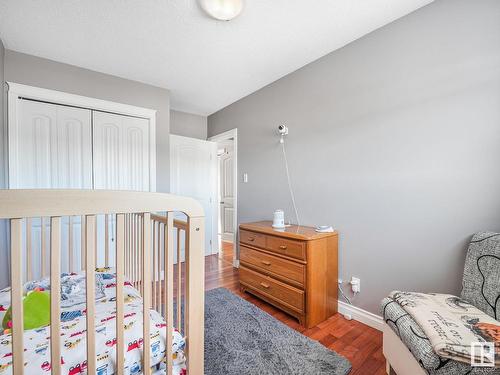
(222, 10)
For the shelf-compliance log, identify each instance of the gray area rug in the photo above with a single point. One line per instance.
(242, 339)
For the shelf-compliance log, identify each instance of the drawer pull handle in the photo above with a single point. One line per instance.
(264, 285)
(251, 239)
(283, 247)
(266, 262)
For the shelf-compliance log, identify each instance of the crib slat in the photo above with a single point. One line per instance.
(140, 258)
(134, 249)
(28, 249)
(55, 294)
(70, 244)
(16, 295)
(169, 286)
(158, 289)
(42, 246)
(120, 269)
(90, 286)
(155, 251)
(83, 240)
(96, 260)
(106, 239)
(146, 290)
(195, 275)
(179, 280)
(127, 241)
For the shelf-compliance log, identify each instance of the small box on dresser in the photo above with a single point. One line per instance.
(295, 269)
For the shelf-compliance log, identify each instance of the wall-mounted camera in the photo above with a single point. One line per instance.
(282, 130)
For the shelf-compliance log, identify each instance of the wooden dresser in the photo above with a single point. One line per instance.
(294, 269)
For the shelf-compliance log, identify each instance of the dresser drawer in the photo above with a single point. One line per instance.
(252, 238)
(281, 292)
(283, 246)
(282, 268)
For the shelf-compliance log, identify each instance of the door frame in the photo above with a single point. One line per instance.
(17, 91)
(233, 133)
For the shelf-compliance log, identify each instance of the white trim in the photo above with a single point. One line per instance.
(363, 316)
(233, 133)
(16, 90)
(398, 356)
(60, 97)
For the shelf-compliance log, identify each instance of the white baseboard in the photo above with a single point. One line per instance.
(363, 316)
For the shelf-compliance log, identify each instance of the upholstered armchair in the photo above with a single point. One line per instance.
(406, 347)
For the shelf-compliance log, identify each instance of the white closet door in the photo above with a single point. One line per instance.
(53, 147)
(121, 152)
(121, 162)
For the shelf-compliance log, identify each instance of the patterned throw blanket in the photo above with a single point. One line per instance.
(452, 325)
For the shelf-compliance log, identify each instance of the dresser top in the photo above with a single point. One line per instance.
(293, 231)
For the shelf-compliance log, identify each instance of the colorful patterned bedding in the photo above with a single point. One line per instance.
(73, 327)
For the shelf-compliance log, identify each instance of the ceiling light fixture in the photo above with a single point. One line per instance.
(222, 10)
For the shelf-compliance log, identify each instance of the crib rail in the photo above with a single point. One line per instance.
(143, 248)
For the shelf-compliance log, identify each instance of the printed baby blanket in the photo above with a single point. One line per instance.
(452, 325)
(73, 331)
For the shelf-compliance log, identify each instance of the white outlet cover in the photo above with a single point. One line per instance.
(355, 284)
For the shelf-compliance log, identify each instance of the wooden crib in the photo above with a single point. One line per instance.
(136, 239)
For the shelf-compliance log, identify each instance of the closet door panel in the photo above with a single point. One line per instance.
(75, 143)
(121, 162)
(54, 151)
(121, 152)
(136, 148)
(53, 147)
(108, 151)
(37, 146)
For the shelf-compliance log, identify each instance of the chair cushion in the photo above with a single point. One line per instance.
(481, 280)
(417, 342)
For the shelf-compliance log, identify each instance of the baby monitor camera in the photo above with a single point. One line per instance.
(282, 130)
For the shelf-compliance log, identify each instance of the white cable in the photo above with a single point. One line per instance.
(289, 182)
(343, 295)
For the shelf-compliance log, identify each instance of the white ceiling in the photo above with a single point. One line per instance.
(206, 64)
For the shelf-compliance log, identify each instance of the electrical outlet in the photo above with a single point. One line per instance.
(245, 177)
(355, 284)
(340, 281)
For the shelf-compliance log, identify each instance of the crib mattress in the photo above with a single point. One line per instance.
(73, 330)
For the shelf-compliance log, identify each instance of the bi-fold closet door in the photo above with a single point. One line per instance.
(121, 152)
(61, 147)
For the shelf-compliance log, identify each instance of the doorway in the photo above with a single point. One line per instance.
(227, 187)
(193, 174)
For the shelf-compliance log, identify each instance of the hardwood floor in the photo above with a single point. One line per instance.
(360, 344)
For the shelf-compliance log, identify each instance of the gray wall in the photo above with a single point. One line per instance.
(35, 71)
(394, 140)
(188, 125)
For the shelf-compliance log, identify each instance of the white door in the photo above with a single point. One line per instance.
(193, 173)
(52, 147)
(52, 150)
(121, 152)
(121, 162)
(226, 190)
